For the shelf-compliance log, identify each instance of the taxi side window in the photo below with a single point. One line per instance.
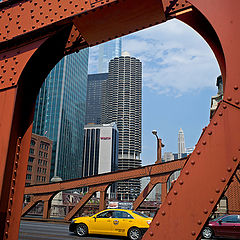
(122, 214)
(107, 214)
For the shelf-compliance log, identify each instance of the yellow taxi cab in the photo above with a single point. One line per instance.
(119, 222)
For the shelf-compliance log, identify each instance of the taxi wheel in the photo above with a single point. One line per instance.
(207, 232)
(134, 233)
(81, 230)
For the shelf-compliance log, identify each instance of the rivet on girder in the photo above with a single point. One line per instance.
(204, 142)
(210, 133)
(224, 106)
(211, 200)
(157, 223)
(199, 222)
(220, 114)
(8, 221)
(237, 102)
(235, 87)
(229, 99)
(181, 182)
(11, 200)
(163, 213)
(175, 192)
(193, 233)
(187, 172)
(217, 190)
(215, 123)
(234, 159)
(13, 83)
(205, 211)
(223, 179)
(169, 203)
(9, 211)
(12, 189)
(229, 169)
(192, 162)
(151, 234)
(198, 152)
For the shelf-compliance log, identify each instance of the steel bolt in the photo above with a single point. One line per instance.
(169, 203)
(234, 159)
(198, 152)
(211, 200)
(199, 222)
(217, 190)
(229, 169)
(204, 142)
(229, 99)
(220, 114)
(237, 102)
(224, 106)
(215, 123)
(205, 211)
(210, 133)
(163, 213)
(192, 162)
(151, 234)
(187, 172)
(236, 87)
(157, 223)
(175, 192)
(223, 180)
(193, 233)
(181, 182)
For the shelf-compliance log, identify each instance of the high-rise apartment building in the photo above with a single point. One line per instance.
(181, 143)
(95, 87)
(60, 113)
(108, 51)
(124, 106)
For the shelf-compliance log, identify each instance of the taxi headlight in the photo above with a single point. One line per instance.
(149, 222)
(73, 221)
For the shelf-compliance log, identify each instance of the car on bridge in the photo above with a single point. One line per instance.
(118, 222)
(227, 226)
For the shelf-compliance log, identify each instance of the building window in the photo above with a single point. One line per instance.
(28, 176)
(40, 153)
(29, 168)
(31, 151)
(33, 143)
(30, 159)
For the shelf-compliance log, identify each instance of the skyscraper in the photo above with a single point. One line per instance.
(181, 143)
(95, 87)
(108, 51)
(124, 106)
(60, 113)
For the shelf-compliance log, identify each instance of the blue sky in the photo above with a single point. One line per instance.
(179, 78)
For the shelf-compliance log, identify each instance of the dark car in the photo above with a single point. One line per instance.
(227, 226)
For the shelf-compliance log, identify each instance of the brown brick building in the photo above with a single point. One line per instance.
(39, 161)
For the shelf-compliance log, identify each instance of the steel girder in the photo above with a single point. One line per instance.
(33, 31)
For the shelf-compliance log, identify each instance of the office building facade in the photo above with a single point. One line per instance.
(181, 144)
(39, 160)
(108, 51)
(60, 113)
(94, 103)
(100, 153)
(123, 105)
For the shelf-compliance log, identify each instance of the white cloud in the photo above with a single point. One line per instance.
(175, 58)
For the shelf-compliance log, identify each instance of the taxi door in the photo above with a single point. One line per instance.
(101, 224)
(121, 222)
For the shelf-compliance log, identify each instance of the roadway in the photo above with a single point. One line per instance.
(36, 230)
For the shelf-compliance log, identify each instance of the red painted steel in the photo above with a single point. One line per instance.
(33, 31)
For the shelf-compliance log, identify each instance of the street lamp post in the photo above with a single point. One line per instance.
(159, 147)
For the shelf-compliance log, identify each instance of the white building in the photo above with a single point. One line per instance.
(181, 144)
(100, 150)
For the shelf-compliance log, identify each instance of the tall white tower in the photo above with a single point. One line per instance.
(181, 143)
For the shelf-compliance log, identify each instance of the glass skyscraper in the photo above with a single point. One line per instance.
(60, 113)
(108, 51)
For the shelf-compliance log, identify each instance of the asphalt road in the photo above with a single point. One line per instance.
(31, 230)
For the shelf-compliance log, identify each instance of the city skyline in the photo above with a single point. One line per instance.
(179, 76)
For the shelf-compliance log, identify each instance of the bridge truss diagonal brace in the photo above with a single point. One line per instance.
(154, 180)
(85, 199)
(202, 181)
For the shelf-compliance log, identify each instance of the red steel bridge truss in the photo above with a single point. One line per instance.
(36, 34)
